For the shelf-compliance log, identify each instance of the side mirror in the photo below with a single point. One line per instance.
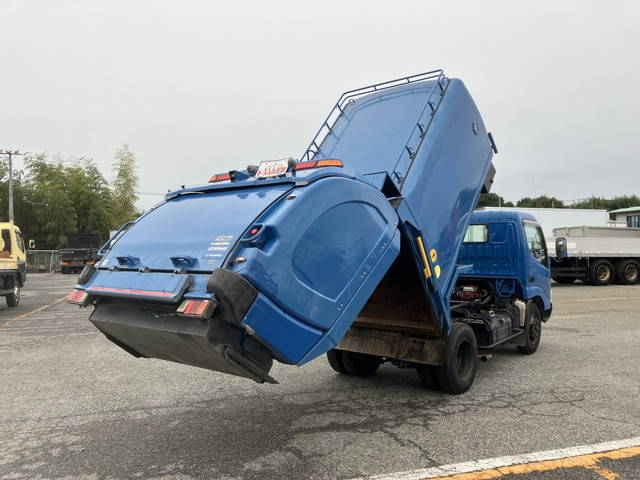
(32, 243)
(561, 247)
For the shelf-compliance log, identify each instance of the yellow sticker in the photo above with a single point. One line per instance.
(436, 269)
(434, 255)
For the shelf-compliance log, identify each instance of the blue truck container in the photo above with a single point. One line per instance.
(353, 246)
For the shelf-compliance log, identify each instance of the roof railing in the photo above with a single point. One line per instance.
(350, 96)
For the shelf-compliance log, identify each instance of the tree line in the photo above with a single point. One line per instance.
(53, 198)
(544, 201)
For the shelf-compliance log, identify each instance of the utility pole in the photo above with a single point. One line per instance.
(10, 154)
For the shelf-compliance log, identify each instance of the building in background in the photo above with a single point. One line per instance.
(629, 217)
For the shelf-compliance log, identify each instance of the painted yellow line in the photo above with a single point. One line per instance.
(583, 456)
(585, 461)
(15, 319)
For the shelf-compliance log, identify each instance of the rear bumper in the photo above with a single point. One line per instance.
(211, 344)
(243, 336)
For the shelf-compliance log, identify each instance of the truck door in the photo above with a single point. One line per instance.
(539, 272)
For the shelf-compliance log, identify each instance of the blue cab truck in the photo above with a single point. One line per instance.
(356, 250)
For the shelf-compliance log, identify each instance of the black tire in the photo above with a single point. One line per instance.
(628, 272)
(601, 273)
(335, 360)
(566, 280)
(428, 376)
(532, 330)
(461, 360)
(360, 364)
(13, 299)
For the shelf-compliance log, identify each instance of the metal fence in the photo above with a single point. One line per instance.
(42, 260)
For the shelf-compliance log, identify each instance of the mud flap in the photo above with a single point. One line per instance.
(212, 344)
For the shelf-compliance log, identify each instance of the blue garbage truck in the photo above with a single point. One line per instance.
(351, 251)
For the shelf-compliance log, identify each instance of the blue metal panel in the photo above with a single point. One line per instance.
(444, 182)
(371, 134)
(318, 248)
(162, 287)
(288, 338)
(499, 256)
(333, 336)
(203, 226)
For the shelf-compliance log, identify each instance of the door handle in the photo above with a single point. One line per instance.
(532, 279)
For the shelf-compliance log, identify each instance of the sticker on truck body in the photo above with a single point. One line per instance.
(272, 168)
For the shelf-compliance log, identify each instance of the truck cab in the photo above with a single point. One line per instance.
(506, 250)
(505, 290)
(13, 263)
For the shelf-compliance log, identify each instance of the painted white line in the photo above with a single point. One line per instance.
(488, 463)
(604, 299)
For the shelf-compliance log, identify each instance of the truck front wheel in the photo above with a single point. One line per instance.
(628, 272)
(460, 360)
(13, 299)
(601, 272)
(532, 330)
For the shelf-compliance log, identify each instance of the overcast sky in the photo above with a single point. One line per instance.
(199, 87)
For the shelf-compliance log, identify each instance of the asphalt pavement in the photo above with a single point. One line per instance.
(75, 406)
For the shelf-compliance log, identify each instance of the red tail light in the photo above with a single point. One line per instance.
(219, 178)
(196, 308)
(332, 162)
(78, 297)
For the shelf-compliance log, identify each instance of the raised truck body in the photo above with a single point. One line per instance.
(277, 263)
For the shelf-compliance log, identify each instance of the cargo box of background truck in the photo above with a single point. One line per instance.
(351, 250)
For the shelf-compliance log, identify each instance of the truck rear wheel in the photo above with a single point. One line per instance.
(13, 299)
(601, 272)
(360, 364)
(335, 360)
(532, 330)
(460, 361)
(428, 376)
(628, 272)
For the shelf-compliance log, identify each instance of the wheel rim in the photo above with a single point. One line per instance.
(603, 273)
(534, 329)
(16, 293)
(463, 360)
(631, 273)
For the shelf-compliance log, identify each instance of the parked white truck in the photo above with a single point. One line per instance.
(599, 255)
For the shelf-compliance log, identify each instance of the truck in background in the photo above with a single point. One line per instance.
(82, 250)
(598, 255)
(13, 263)
(276, 262)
